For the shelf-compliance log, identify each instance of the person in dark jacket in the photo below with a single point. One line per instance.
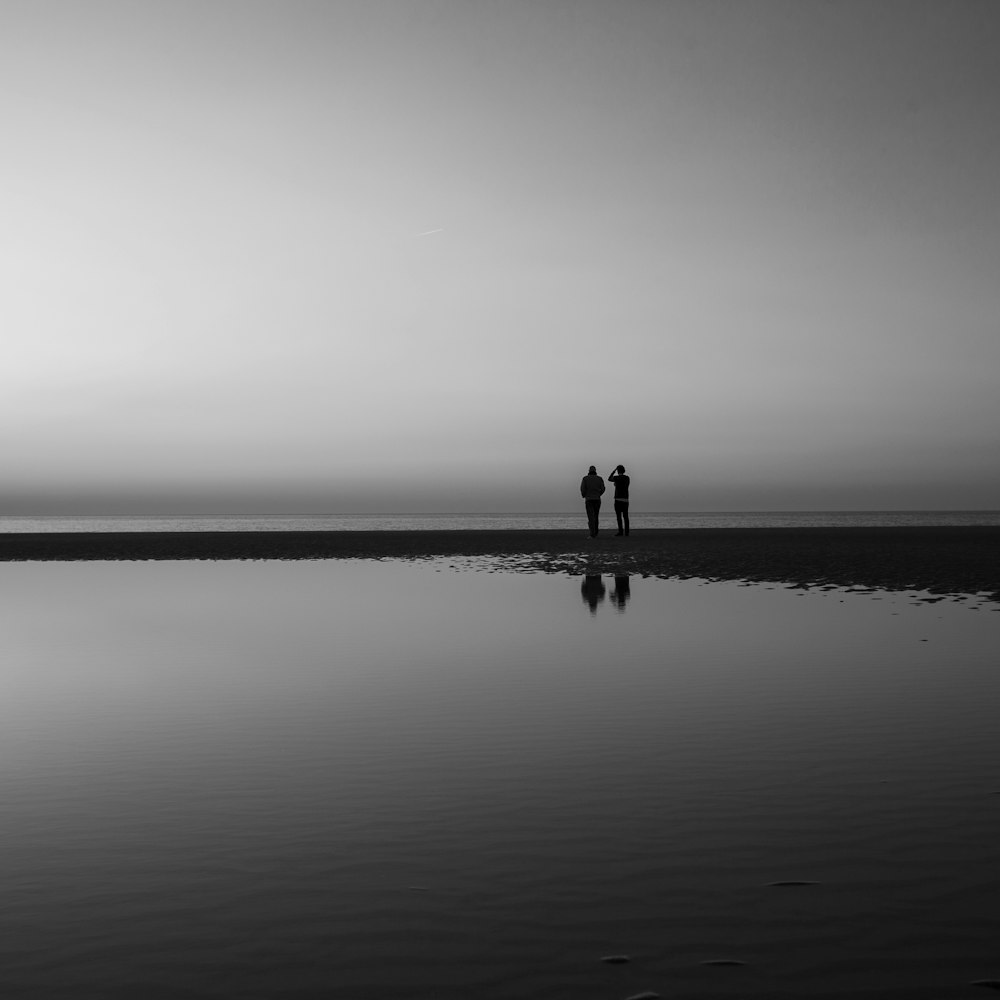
(621, 482)
(591, 489)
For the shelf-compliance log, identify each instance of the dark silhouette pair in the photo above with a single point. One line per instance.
(593, 592)
(592, 489)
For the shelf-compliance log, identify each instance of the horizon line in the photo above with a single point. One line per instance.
(523, 513)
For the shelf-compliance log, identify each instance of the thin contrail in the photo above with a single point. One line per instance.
(431, 232)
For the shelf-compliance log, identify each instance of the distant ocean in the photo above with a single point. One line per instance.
(425, 522)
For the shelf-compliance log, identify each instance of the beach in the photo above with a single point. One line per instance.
(940, 560)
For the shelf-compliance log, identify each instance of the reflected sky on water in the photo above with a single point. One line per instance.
(246, 779)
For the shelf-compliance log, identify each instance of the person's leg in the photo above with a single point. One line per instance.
(593, 508)
(618, 516)
(625, 516)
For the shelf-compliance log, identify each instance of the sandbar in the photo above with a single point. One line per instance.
(952, 560)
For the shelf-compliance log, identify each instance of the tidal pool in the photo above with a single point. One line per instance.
(360, 779)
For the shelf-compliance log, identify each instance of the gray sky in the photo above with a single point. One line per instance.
(422, 255)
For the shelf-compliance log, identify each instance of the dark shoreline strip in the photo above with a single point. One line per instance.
(942, 560)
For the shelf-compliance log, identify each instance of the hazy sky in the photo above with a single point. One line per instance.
(444, 254)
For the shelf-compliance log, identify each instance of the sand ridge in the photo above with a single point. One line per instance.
(940, 560)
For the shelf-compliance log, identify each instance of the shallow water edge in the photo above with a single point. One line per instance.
(387, 778)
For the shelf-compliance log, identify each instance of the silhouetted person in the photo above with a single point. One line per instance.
(621, 482)
(622, 592)
(591, 489)
(592, 590)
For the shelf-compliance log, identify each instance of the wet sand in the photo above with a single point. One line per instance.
(940, 560)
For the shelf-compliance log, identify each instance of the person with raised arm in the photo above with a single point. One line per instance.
(621, 481)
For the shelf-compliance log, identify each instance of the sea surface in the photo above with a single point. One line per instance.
(422, 522)
(386, 779)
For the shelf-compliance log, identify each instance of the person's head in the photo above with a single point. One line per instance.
(592, 471)
(620, 470)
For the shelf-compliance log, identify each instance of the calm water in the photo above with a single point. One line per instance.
(370, 780)
(425, 522)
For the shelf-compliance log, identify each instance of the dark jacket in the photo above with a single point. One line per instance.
(591, 487)
(621, 486)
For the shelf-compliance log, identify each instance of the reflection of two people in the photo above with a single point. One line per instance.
(593, 592)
